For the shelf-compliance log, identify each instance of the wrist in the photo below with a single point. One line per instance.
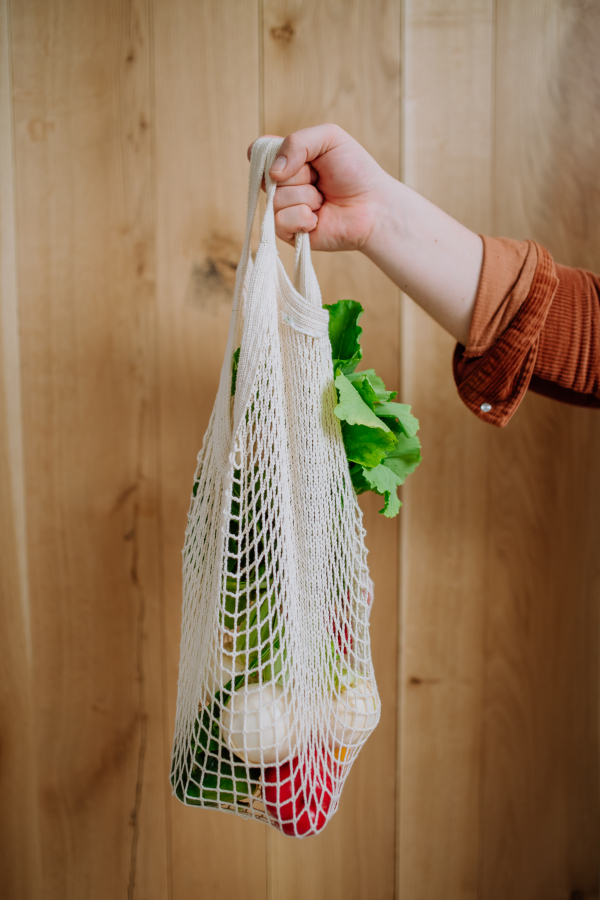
(389, 215)
(428, 254)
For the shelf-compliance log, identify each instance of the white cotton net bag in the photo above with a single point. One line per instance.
(276, 686)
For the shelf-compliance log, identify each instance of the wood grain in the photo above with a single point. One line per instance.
(339, 62)
(207, 103)
(541, 791)
(123, 131)
(447, 148)
(81, 78)
(19, 837)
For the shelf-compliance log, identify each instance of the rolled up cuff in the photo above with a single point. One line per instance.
(493, 385)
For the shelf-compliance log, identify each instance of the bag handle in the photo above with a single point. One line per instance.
(264, 152)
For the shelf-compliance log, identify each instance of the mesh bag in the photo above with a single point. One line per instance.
(276, 687)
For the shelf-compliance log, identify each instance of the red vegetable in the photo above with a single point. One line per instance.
(298, 810)
(343, 637)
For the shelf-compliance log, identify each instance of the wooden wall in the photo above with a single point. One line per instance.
(123, 129)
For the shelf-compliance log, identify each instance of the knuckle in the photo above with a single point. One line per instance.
(335, 129)
(283, 198)
(307, 171)
(282, 221)
(292, 140)
(307, 217)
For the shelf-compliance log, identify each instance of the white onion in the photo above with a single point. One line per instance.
(258, 726)
(225, 670)
(355, 714)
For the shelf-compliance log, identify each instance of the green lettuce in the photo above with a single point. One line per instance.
(344, 334)
(380, 436)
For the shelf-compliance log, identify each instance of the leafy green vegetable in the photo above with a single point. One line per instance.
(383, 480)
(359, 481)
(211, 774)
(400, 411)
(362, 384)
(344, 334)
(368, 446)
(214, 775)
(379, 435)
(391, 473)
(376, 383)
(352, 407)
(405, 458)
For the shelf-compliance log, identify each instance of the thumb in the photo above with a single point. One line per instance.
(305, 146)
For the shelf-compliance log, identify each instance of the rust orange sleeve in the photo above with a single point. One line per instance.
(568, 361)
(535, 326)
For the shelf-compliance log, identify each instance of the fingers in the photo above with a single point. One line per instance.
(305, 146)
(306, 175)
(293, 219)
(299, 195)
(296, 198)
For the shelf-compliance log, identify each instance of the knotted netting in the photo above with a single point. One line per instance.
(276, 688)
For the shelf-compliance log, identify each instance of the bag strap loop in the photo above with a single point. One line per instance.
(264, 153)
(302, 307)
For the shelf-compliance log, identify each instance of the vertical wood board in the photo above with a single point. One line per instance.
(85, 248)
(339, 62)
(206, 89)
(447, 147)
(541, 792)
(19, 863)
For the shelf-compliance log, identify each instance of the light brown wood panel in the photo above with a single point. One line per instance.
(207, 113)
(81, 80)
(541, 791)
(123, 184)
(19, 867)
(447, 145)
(339, 62)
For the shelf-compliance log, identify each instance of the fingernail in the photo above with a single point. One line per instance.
(279, 165)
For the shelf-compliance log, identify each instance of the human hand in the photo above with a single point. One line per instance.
(329, 186)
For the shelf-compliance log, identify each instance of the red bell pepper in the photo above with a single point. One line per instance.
(298, 811)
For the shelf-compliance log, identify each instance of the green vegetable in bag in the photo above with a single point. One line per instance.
(380, 436)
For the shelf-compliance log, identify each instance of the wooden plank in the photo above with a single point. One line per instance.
(82, 111)
(19, 847)
(541, 797)
(339, 62)
(447, 157)
(207, 110)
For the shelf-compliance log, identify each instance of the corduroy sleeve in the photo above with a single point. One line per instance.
(567, 367)
(535, 325)
(492, 376)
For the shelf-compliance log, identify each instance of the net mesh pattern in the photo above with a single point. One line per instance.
(276, 690)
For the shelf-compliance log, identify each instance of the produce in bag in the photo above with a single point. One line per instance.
(277, 692)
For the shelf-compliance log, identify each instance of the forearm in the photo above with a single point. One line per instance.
(428, 254)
